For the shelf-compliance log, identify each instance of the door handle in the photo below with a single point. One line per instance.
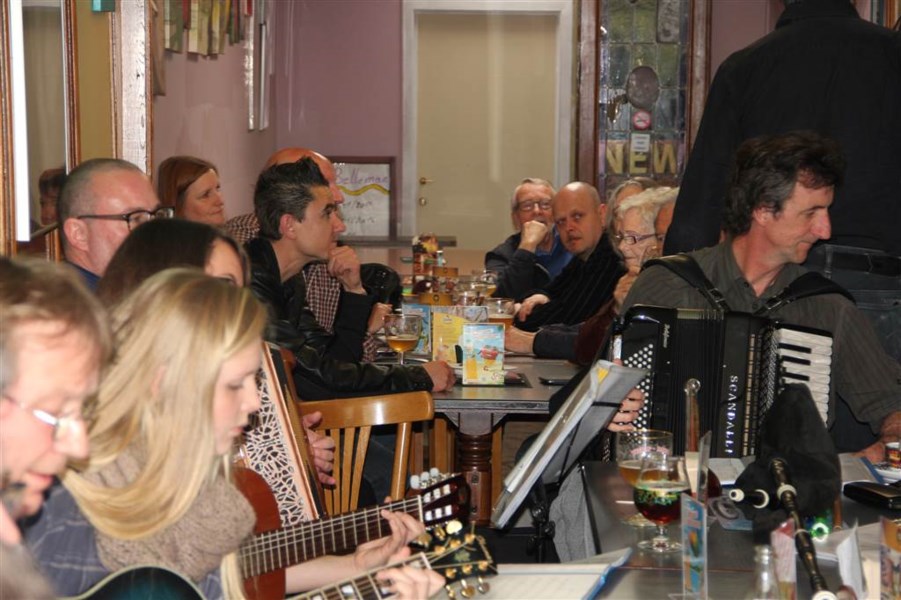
(425, 180)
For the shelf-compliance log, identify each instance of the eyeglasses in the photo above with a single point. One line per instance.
(60, 425)
(136, 217)
(529, 205)
(631, 240)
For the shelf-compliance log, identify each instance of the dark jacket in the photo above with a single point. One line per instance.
(823, 69)
(326, 367)
(518, 271)
(579, 291)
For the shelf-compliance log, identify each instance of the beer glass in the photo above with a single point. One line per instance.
(658, 490)
(402, 332)
(631, 448)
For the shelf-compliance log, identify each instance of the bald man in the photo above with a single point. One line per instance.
(588, 280)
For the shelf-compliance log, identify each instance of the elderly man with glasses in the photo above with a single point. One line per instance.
(533, 256)
(54, 340)
(102, 200)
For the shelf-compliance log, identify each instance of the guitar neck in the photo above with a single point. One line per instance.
(365, 587)
(340, 534)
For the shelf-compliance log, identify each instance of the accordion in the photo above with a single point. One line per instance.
(741, 361)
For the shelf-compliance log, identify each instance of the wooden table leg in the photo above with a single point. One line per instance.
(474, 461)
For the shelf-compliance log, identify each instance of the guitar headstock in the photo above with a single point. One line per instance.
(444, 498)
(461, 557)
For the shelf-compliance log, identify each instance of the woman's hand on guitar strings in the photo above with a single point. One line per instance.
(404, 529)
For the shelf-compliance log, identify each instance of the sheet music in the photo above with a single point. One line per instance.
(587, 411)
(540, 581)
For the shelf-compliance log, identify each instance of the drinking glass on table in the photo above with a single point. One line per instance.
(631, 448)
(402, 332)
(660, 485)
(500, 310)
(489, 280)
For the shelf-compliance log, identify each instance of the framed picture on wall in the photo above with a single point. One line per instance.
(370, 197)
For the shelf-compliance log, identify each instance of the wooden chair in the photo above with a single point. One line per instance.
(349, 422)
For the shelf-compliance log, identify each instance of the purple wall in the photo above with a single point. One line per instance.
(342, 94)
(204, 113)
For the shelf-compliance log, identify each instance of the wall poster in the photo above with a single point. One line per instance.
(369, 208)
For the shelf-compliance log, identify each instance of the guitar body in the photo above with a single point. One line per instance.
(257, 492)
(143, 583)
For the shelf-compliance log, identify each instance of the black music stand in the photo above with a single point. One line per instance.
(586, 412)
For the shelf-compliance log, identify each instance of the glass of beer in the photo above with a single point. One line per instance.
(661, 482)
(402, 332)
(631, 448)
(500, 310)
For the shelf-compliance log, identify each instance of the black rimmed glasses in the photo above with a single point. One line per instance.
(631, 240)
(529, 205)
(60, 425)
(135, 217)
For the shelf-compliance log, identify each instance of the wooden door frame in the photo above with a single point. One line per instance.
(564, 111)
(699, 81)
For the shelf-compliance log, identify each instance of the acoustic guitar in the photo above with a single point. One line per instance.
(143, 583)
(264, 557)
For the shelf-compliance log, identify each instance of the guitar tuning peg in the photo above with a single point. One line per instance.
(434, 473)
(450, 573)
(450, 592)
(484, 587)
(467, 569)
(466, 590)
(424, 477)
(440, 533)
(415, 482)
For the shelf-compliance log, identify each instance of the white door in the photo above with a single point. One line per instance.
(487, 106)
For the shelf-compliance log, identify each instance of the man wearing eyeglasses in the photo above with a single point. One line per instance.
(54, 338)
(102, 200)
(533, 256)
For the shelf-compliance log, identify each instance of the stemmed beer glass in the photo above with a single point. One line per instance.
(402, 332)
(661, 482)
(631, 448)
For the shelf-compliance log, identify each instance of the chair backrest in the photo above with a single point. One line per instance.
(349, 422)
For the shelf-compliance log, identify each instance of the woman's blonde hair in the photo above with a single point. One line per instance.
(173, 335)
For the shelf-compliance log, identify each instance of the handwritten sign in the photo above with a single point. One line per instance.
(367, 189)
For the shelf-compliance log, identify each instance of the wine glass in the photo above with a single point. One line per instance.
(661, 482)
(489, 279)
(402, 332)
(631, 448)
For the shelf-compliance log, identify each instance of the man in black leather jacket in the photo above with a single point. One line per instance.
(300, 223)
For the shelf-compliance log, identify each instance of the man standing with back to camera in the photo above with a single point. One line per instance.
(827, 70)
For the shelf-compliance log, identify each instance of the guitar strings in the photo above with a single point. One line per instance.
(272, 550)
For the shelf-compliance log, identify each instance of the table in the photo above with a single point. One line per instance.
(477, 410)
(645, 575)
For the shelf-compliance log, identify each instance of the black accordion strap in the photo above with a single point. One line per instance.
(688, 269)
(808, 284)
